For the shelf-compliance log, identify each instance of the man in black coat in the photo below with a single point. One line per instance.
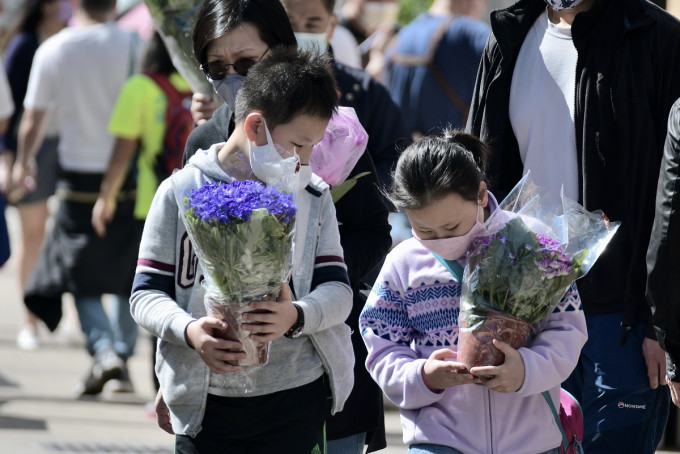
(579, 92)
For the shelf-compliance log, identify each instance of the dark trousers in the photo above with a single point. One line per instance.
(290, 421)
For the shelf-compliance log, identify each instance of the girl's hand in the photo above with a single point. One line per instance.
(506, 378)
(214, 351)
(440, 373)
(270, 319)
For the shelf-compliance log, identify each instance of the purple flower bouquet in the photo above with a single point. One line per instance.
(518, 272)
(242, 233)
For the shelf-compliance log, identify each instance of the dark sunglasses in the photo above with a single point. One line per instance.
(217, 70)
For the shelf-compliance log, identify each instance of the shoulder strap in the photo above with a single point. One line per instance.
(439, 77)
(565, 440)
(163, 83)
(452, 265)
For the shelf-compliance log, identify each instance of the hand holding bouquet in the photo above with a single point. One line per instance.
(520, 270)
(242, 233)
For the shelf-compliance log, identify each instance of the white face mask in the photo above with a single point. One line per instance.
(456, 246)
(314, 42)
(563, 4)
(228, 87)
(274, 168)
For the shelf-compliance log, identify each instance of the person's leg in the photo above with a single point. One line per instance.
(621, 412)
(125, 332)
(353, 444)
(32, 219)
(100, 344)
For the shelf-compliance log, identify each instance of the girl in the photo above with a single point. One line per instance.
(410, 321)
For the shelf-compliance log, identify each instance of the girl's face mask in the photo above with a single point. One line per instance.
(455, 247)
(563, 4)
(275, 166)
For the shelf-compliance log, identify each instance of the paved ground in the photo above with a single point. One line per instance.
(38, 414)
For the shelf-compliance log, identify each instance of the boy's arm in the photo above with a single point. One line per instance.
(330, 300)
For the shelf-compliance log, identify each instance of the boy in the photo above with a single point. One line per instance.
(285, 102)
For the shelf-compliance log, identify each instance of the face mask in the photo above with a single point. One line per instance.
(228, 87)
(455, 247)
(379, 14)
(314, 42)
(273, 168)
(563, 4)
(304, 176)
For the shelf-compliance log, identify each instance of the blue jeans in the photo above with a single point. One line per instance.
(426, 448)
(117, 330)
(354, 444)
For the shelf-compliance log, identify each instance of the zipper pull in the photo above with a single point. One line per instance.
(624, 337)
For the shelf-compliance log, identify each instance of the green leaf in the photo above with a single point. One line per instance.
(339, 191)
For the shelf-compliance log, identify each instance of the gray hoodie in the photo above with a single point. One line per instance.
(167, 296)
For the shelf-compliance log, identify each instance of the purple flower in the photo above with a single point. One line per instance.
(235, 202)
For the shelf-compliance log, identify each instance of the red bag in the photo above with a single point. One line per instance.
(569, 420)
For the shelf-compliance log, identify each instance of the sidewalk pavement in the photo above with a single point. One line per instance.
(38, 413)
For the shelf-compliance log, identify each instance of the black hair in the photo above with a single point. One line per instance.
(30, 16)
(288, 83)
(218, 17)
(98, 6)
(329, 5)
(156, 57)
(434, 166)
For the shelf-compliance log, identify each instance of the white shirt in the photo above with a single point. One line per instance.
(6, 103)
(345, 47)
(542, 97)
(78, 73)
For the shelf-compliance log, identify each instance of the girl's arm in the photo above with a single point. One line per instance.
(554, 352)
(387, 333)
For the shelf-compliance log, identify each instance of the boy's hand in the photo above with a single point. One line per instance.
(214, 351)
(162, 414)
(272, 319)
(506, 378)
(440, 373)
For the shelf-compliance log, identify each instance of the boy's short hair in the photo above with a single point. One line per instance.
(287, 83)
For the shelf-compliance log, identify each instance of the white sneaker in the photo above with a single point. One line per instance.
(27, 339)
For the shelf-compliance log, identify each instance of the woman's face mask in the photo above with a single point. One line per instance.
(455, 247)
(228, 88)
(273, 167)
(563, 4)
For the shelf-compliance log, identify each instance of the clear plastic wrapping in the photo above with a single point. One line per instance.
(522, 266)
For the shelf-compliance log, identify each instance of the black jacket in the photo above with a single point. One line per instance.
(364, 230)
(627, 78)
(663, 257)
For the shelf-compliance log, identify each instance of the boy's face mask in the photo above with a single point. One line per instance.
(273, 167)
(228, 87)
(563, 4)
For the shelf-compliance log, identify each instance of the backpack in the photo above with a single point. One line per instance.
(178, 126)
(569, 420)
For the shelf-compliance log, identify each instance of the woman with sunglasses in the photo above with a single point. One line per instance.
(229, 37)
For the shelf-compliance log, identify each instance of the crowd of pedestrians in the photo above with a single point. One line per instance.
(581, 93)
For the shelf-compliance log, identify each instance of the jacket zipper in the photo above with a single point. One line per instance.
(488, 399)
